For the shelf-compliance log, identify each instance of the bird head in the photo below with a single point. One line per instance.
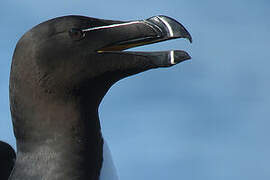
(62, 55)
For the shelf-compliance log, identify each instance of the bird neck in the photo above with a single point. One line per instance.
(65, 142)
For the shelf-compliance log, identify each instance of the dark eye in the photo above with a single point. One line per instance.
(76, 34)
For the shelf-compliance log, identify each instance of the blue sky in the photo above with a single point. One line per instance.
(205, 119)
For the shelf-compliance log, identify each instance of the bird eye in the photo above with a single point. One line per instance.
(76, 34)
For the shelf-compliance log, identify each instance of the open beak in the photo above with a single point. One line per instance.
(122, 36)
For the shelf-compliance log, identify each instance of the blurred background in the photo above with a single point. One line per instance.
(204, 119)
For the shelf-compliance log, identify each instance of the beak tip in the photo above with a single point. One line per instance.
(174, 28)
(190, 39)
(179, 56)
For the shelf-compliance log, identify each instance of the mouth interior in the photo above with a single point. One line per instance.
(124, 45)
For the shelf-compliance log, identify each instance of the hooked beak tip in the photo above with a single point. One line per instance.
(169, 27)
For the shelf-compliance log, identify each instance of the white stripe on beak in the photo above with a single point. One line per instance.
(172, 57)
(168, 26)
(110, 26)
